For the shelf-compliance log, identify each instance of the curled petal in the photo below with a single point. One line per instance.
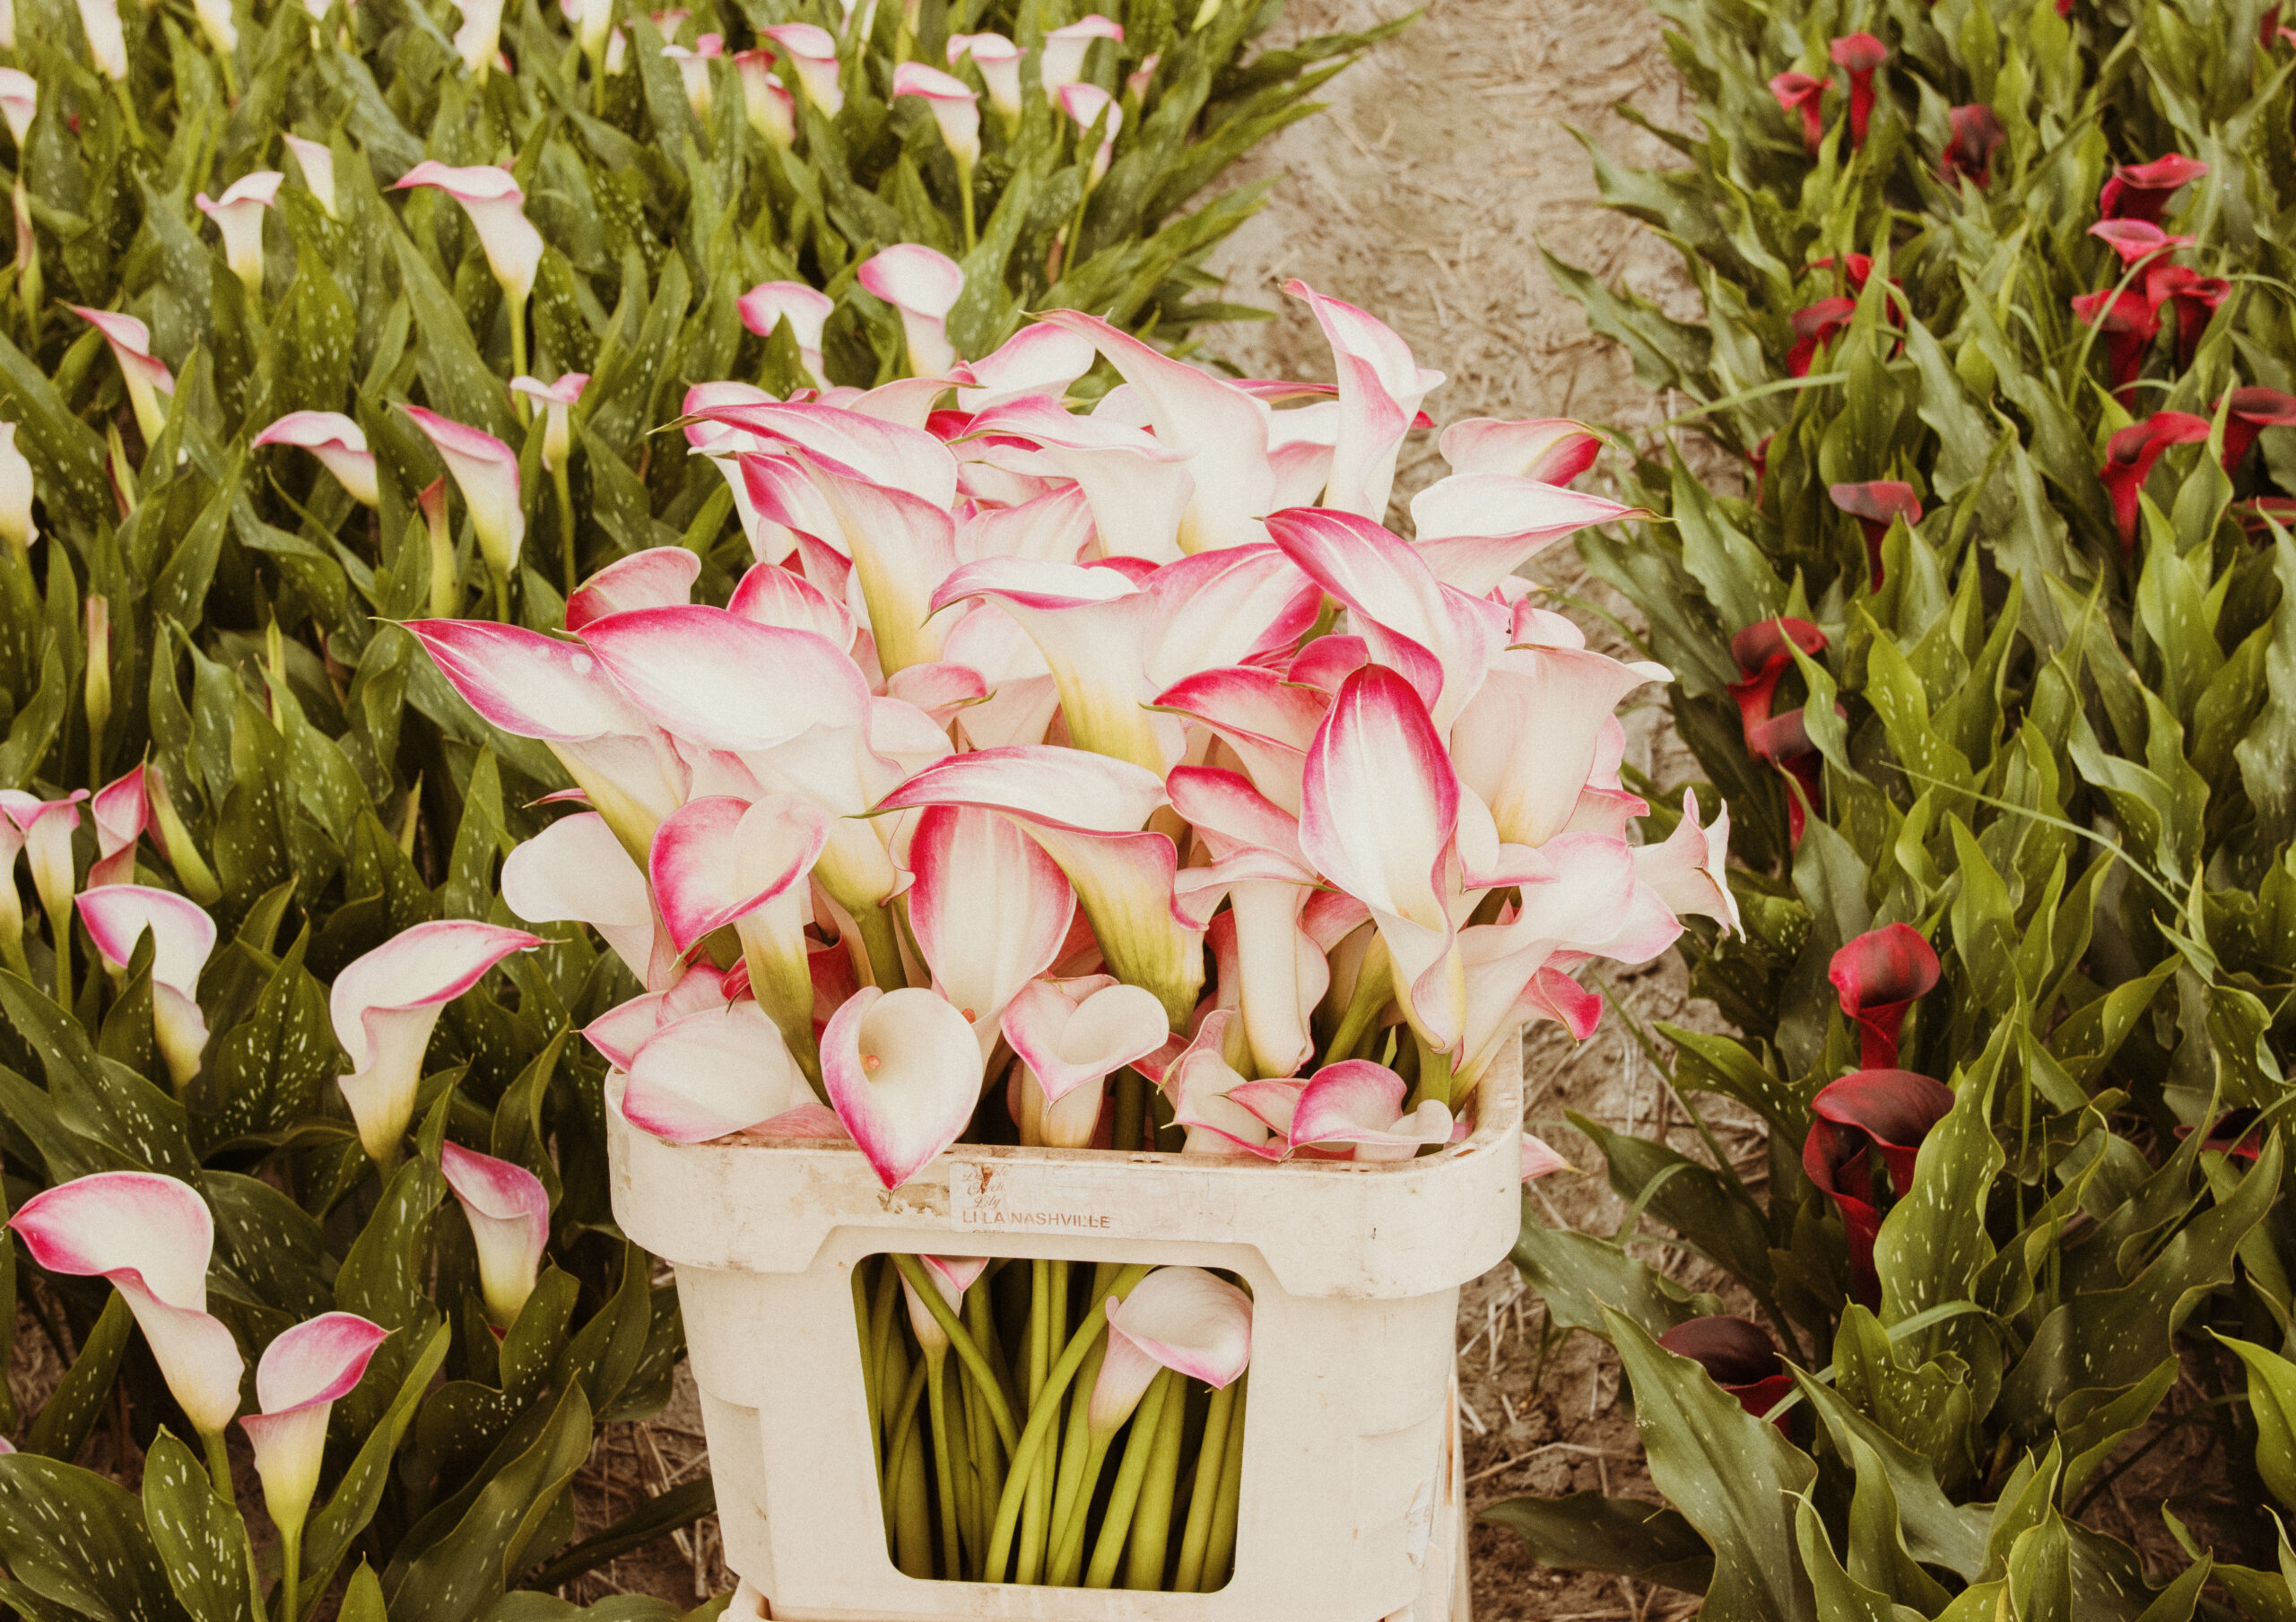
(576, 871)
(661, 577)
(1878, 977)
(1552, 450)
(509, 1210)
(989, 908)
(1075, 1033)
(903, 1071)
(1358, 1102)
(1181, 1318)
(721, 1071)
(717, 859)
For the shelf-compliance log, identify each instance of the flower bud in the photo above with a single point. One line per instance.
(99, 682)
(15, 493)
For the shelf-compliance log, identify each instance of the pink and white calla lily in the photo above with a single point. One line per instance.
(903, 1072)
(17, 529)
(1061, 58)
(989, 909)
(298, 1380)
(1381, 387)
(146, 376)
(812, 53)
(719, 1071)
(575, 871)
(951, 1276)
(150, 1237)
(623, 1030)
(1525, 742)
(693, 71)
(660, 576)
(766, 101)
(509, 1211)
(999, 62)
(954, 106)
(479, 41)
(339, 443)
(806, 310)
(486, 471)
(121, 812)
(183, 936)
(1089, 107)
(239, 214)
(45, 827)
(384, 1006)
(107, 41)
(923, 284)
(316, 158)
(1073, 1035)
(1476, 529)
(19, 100)
(1202, 1087)
(1551, 450)
(1181, 1318)
(557, 401)
(1688, 870)
(497, 211)
(1041, 358)
(1359, 1103)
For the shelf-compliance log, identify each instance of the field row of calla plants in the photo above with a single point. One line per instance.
(1995, 660)
(325, 318)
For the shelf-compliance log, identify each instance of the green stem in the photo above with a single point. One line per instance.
(565, 524)
(219, 1466)
(1036, 1500)
(961, 1341)
(1210, 1463)
(1131, 1109)
(1116, 1527)
(877, 938)
(501, 599)
(12, 951)
(867, 1344)
(1371, 993)
(518, 356)
(912, 1516)
(1220, 1553)
(59, 930)
(952, 1565)
(1152, 1521)
(291, 1571)
(1080, 1472)
(1091, 1457)
(964, 196)
(128, 107)
(1434, 1073)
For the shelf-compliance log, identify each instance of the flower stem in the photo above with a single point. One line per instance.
(291, 1571)
(501, 599)
(1211, 1464)
(961, 1341)
(936, 1367)
(518, 354)
(1152, 1520)
(1363, 1008)
(565, 524)
(964, 196)
(219, 1465)
(912, 1525)
(1036, 1500)
(1434, 1073)
(868, 1366)
(1116, 1528)
(1131, 1109)
(1092, 1456)
(59, 930)
(1220, 1552)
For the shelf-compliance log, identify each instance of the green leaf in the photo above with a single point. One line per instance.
(78, 1541)
(72, 1410)
(666, 1513)
(199, 1536)
(1586, 1531)
(359, 1493)
(1582, 1278)
(2271, 1404)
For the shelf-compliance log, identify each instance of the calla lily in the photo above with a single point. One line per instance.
(445, 570)
(1041, 358)
(951, 1276)
(1526, 741)
(1476, 530)
(1073, 1035)
(298, 1380)
(1551, 450)
(2136, 241)
(1860, 56)
(1181, 1318)
(1207, 1095)
(2141, 191)
(923, 284)
(1886, 1112)
(558, 400)
(1764, 654)
(1877, 507)
(497, 210)
(575, 871)
(106, 42)
(339, 443)
(807, 310)
(239, 214)
(903, 1072)
(1878, 977)
(1816, 326)
(120, 814)
(1091, 108)
(989, 909)
(812, 53)
(150, 1237)
(384, 1005)
(1687, 870)
(486, 471)
(999, 62)
(1803, 96)
(19, 100)
(1061, 58)
(660, 576)
(1381, 387)
(147, 376)
(953, 105)
(1739, 1355)
(1357, 1102)
(45, 827)
(719, 1071)
(96, 691)
(2195, 297)
(1539, 1158)
(2129, 457)
(2130, 321)
(508, 1212)
(694, 70)
(480, 38)
(317, 160)
(771, 111)
(619, 1033)
(16, 492)
(182, 934)
(1138, 487)
(2253, 411)
(1977, 135)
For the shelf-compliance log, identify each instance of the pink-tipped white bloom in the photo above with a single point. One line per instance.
(384, 1006)
(146, 375)
(486, 471)
(989, 909)
(215, 21)
(660, 576)
(557, 401)
(1381, 387)
(479, 41)
(953, 103)
(121, 813)
(45, 828)
(1540, 1160)
(239, 214)
(1041, 358)
(923, 284)
(951, 1276)
(575, 871)
(903, 1072)
(771, 111)
(1209, 1095)
(1552, 450)
(150, 1237)
(509, 1211)
(1688, 868)
(807, 309)
(718, 1070)
(1092, 107)
(316, 158)
(1136, 82)
(16, 492)
(339, 443)
(106, 42)
(497, 210)
(999, 62)
(1061, 61)
(1073, 1035)
(593, 20)
(1525, 742)
(1359, 1103)
(812, 53)
(1181, 1318)
(19, 100)
(298, 1380)
(694, 70)
(117, 917)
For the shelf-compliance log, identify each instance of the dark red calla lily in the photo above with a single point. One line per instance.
(1861, 55)
(2238, 1135)
(1784, 742)
(1977, 135)
(1764, 656)
(2253, 409)
(1870, 1112)
(1877, 505)
(1856, 269)
(1878, 977)
(1760, 458)
(2129, 322)
(1814, 328)
(2136, 241)
(1799, 93)
(2140, 191)
(2195, 298)
(1739, 1355)
(2129, 457)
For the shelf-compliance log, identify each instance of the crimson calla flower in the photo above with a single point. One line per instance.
(1856, 269)
(1862, 55)
(1763, 655)
(2129, 457)
(1784, 740)
(1876, 506)
(2195, 298)
(2141, 191)
(1866, 1114)
(1814, 327)
(2238, 1135)
(1878, 977)
(1739, 1355)
(2136, 241)
(2253, 409)
(1758, 459)
(2130, 321)
(1977, 135)
(1799, 93)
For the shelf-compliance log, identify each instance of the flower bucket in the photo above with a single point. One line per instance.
(1351, 1507)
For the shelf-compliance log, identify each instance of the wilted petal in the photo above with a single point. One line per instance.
(1539, 1158)
(903, 1070)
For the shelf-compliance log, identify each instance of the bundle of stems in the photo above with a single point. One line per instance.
(988, 1465)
